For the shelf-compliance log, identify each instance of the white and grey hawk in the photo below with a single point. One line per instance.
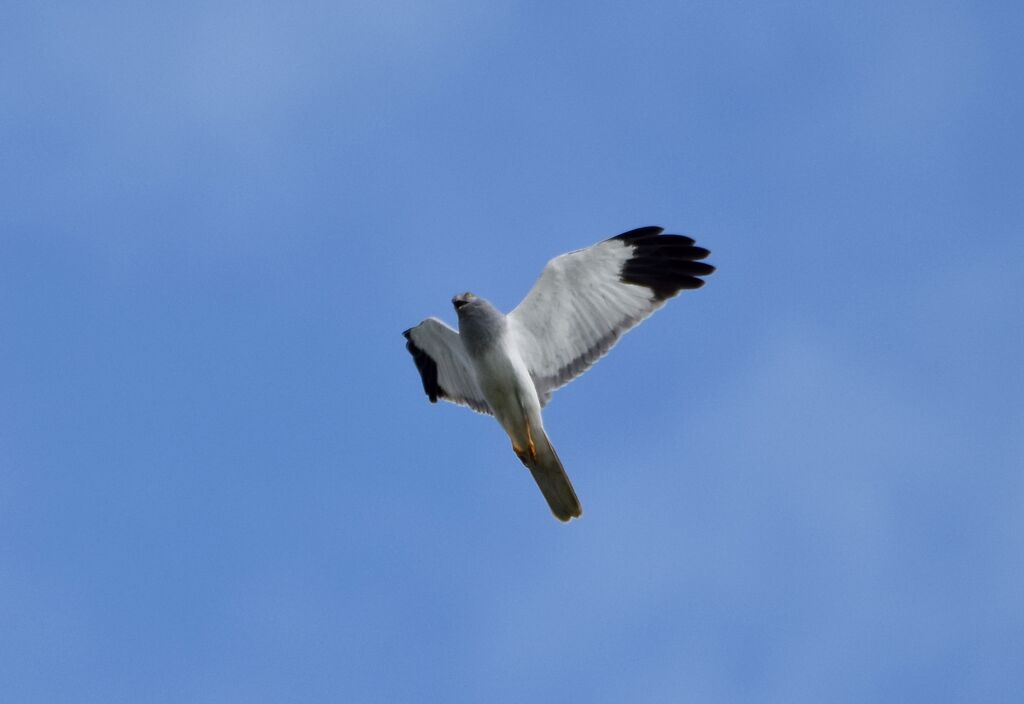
(584, 301)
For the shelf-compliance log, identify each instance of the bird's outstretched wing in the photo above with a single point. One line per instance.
(586, 300)
(444, 365)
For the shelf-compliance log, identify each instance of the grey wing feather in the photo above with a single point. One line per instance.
(586, 300)
(443, 365)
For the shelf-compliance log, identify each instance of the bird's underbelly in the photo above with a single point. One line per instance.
(509, 390)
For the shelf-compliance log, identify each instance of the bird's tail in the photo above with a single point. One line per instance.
(550, 476)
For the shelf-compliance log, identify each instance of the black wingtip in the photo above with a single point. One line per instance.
(647, 231)
(427, 368)
(666, 264)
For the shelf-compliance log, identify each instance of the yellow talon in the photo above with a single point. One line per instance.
(528, 453)
(520, 453)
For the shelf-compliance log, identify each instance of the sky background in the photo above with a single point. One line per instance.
(220, 480)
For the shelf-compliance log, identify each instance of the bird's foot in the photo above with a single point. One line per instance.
(529, 438)
(521, 454)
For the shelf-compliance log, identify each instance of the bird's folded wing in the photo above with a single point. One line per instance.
(444, 365)
(586, 300)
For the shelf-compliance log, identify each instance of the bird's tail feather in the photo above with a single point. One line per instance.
(550, 476)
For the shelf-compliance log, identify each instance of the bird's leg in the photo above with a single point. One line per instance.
(529, 439)
(520, 453)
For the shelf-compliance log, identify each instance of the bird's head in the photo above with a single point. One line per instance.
(462, 299)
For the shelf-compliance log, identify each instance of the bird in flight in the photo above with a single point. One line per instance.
(583, 302)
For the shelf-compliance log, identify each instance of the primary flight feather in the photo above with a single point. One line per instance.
(583, 302)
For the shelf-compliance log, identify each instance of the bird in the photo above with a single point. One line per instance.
(509, 365)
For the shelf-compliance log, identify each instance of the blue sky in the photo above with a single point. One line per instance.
(220, 480)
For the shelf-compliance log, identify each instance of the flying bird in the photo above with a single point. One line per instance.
(583, 302)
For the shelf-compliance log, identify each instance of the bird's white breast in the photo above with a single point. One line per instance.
(506, 383)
